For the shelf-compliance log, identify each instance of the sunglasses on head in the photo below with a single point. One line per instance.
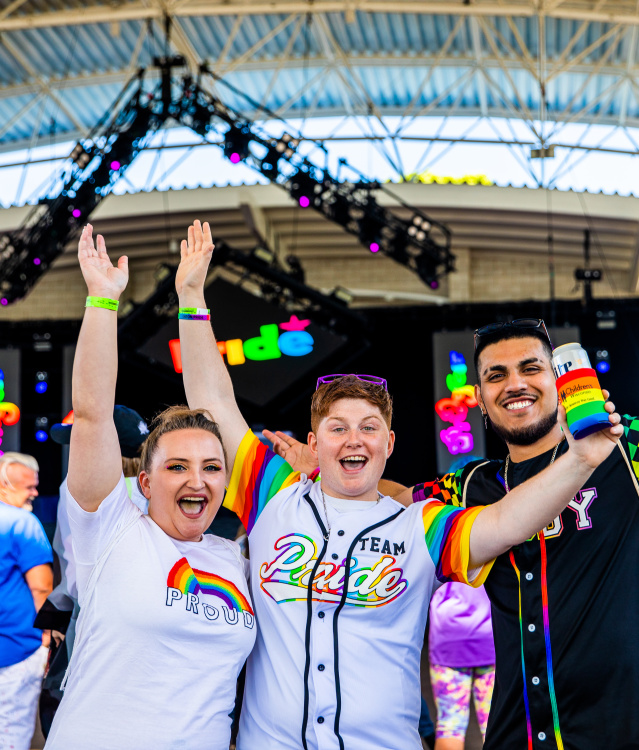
(366, 378)
(536, 324)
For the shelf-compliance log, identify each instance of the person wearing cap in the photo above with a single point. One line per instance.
(26, 579)
(341, 576)
(60, 611)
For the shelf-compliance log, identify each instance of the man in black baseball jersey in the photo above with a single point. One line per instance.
(565, 603)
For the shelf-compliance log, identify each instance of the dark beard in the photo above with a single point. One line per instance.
(527, 435)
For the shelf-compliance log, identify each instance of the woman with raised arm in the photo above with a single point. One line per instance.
(166, 621)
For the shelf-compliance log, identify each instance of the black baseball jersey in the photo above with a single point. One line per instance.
(567, 668)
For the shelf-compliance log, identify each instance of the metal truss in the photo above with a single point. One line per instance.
(98, 162)
(547, 63)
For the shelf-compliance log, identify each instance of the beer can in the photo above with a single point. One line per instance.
(579, 390)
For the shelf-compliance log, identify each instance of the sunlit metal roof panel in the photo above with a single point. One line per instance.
(324, 63)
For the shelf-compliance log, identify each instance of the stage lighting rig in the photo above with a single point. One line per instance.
(421, 244)
(236, 144)
(93, 167)
(99, 160)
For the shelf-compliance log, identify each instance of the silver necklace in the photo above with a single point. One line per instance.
(554, 455)
(328, 523)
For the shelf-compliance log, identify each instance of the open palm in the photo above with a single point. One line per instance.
(296, 454)
(195, 258)
(102, 278)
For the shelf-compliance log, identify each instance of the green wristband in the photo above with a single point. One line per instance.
(194, 311)
(104, 302)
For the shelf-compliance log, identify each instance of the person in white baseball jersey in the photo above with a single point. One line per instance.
(342, 576)
(165, 620)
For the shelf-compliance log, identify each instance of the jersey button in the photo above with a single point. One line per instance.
(535, 680)
(320, 720)
(531, 628)
(321, 667)
(529, 576)
(334, 555)
(340, 533)
(320, 615)
(542, 736)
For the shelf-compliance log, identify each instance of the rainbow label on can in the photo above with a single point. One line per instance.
(581, 395)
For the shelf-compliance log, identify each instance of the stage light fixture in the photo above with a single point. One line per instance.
(264, 255)
(42, 426)
(342, 295)
(79, 156)
(303, 188)
(42, 381)
(236, 144)
(602, 360)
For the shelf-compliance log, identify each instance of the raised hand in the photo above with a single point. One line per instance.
(102, 278)
(595, 448)
(195, 258)
(296, 454)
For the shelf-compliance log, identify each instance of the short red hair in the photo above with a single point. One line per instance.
(349, 387)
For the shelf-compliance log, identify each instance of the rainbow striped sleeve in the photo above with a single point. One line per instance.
(447, 531)
(257, 475)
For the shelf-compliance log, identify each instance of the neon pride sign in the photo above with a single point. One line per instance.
(270, 344)
(9, 413)
(458, 437)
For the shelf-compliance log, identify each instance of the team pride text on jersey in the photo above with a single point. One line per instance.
(287, 577)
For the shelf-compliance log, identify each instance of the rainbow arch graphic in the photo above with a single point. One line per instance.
(191, 581)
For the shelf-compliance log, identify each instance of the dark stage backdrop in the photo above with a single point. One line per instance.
(400, 350)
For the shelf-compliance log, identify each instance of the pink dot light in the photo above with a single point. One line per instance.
(36, 261)
(115, 165)
(4, 301)
(374, 247)
(76, 213)
(235, 158)
(305, 202)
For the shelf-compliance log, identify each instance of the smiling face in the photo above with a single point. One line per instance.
(23, 486)
(352, 443)
(517, 389)
(185, 485)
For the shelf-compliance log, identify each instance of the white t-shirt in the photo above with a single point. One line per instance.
(161, 637)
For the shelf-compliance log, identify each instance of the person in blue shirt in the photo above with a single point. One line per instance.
(26, 579)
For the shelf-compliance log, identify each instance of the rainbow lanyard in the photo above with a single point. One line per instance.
(551, 679)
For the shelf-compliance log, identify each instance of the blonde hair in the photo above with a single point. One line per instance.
(13, 457)
(130, 466)
(178, 418)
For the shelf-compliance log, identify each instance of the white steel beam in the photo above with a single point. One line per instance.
(40, 81)
(579, 10)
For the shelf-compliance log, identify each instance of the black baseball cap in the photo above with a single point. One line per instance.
(131, 428)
